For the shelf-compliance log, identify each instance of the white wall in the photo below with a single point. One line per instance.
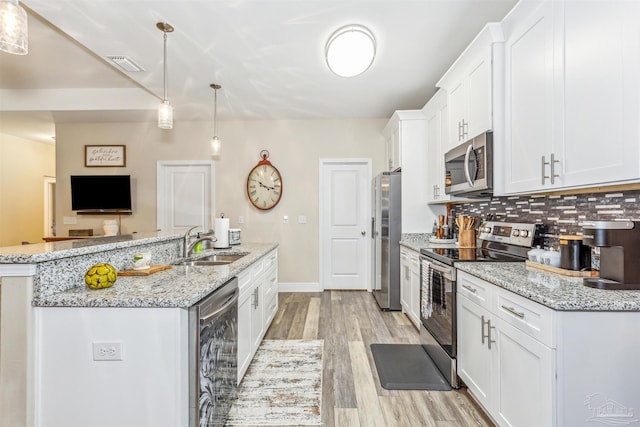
(295, 147)
(24, 164)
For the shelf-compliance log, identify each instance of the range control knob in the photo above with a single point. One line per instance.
(515, 233)
(524, 233)
(487, 230)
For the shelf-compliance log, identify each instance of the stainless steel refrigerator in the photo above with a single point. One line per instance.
(386, 232)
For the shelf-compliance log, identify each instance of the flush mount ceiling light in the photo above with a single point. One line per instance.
(13, 28)
(216, 144)
(350, 50)
(165, 110)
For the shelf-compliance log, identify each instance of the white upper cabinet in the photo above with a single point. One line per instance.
(435, 112)
(469, 84)
(571, 94)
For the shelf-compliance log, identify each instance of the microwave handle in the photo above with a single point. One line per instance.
(467, 155)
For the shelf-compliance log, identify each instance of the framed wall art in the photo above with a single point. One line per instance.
(96, 156)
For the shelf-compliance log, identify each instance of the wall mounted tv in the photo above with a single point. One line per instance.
(96, 194)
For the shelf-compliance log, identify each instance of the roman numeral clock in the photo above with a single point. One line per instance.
(264, 184)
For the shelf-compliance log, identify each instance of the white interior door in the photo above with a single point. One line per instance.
(185, 195)
(345, 241)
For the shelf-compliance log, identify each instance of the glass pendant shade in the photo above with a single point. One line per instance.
(350, 50)
(216, 146)
(165, 115)
(13, 28)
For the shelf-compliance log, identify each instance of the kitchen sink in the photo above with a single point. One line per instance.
(211, 260)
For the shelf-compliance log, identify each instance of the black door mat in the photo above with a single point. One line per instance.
(407, 367)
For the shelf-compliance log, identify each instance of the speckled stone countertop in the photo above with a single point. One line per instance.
(417, 241)
(41, 252)
(555, 291)
(181, 286)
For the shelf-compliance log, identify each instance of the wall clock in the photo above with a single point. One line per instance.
(264, 184)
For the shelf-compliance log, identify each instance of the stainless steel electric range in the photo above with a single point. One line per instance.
(497, 242)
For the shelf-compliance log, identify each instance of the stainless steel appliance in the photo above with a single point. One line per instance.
(386, 234)
(498, 241)
(213, 356)
(619, 243)
(469, 167)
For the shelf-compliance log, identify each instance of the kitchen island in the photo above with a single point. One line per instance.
(51, 323)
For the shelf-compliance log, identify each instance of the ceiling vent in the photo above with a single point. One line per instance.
(125, 63)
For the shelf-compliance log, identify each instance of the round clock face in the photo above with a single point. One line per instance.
(264, 186)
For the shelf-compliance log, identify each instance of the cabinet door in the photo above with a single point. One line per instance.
(438, 143)
(526, 379)
(245, 340)
(405, 280)
(397, 148)
(529, 103)
(474, 356)
(414, 301)
(257, 314)
(458, 120)
(479, 96)
(601, 92)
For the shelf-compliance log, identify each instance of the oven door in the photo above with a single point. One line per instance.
(438, 303)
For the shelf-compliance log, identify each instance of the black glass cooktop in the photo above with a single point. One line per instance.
(451, 255)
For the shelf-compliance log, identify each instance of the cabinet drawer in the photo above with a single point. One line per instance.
(258, 268)
(270, 260)
(475, 289)
(530, 317)
(245, 278)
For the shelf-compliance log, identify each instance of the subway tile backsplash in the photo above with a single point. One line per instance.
(561, 214)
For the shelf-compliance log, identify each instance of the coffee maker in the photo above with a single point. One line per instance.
(619, 243)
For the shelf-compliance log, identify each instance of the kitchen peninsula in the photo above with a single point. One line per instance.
(50, 321)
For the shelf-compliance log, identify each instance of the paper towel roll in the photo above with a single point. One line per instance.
(221, 230)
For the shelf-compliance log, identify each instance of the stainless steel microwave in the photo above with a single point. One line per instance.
(469, 168)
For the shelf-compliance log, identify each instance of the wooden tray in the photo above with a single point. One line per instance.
(562, 271)
(148, 271)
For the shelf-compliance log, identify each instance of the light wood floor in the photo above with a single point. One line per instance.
(348, 322)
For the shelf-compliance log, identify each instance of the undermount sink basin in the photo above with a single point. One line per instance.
(211, 260)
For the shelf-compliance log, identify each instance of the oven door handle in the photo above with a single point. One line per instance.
(446, 271)
(467, 174)
(232, 300)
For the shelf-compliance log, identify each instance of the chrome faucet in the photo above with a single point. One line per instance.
(188, 245)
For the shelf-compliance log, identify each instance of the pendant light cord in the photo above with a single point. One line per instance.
(165, 66)
(215, 112)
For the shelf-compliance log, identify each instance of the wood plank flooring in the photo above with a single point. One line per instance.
(348, 322)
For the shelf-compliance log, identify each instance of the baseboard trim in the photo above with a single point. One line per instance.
(299, 287)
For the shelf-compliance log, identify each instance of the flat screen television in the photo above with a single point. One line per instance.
(101, 193)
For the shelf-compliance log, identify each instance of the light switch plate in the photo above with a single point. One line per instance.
(285, 219)
(70, 220)
(302, 219)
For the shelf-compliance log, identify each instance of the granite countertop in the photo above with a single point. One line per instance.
(562, 293)
(41, 252)
(417, 241)
(180, 286)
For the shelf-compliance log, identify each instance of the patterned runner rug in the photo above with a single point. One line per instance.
(283, 385)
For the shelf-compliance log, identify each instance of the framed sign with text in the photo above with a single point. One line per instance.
(105, 156)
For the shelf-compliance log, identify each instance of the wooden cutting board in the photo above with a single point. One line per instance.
(562, 271)
(148, 271)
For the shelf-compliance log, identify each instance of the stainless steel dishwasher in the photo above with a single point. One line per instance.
(213, 356)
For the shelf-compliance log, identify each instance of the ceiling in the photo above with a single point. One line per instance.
(268, 55)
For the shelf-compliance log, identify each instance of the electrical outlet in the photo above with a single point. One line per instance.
(240, 219)
(302, 219)
(69, 220)
(107, 351)
(285, 219)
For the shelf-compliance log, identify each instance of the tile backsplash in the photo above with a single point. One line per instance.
(561, 214)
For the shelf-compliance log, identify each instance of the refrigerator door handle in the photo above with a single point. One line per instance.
(373, 228)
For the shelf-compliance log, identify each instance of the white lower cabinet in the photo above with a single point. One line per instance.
(410, 284)
(257, 306)
(508, 370)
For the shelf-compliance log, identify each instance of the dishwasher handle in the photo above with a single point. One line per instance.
(229, 302)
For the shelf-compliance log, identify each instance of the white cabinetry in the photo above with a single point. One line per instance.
(470, 86)
(571, 94)
(257, 306)
(435, 112)
(505, 353)
(408, 132)
(410, 284)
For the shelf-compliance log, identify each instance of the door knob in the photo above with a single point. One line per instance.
(363, 232)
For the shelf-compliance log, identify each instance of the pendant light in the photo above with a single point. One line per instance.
(165, 110)
(13, 28)
(216, 144)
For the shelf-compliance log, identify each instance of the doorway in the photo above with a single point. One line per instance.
(49, 206)
(345, 238)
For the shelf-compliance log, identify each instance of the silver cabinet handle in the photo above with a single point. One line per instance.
(553, 168)
(482, 322)
(465, 129)
(513, 311)
(489, 327)
(470, 289)
(543, 169)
